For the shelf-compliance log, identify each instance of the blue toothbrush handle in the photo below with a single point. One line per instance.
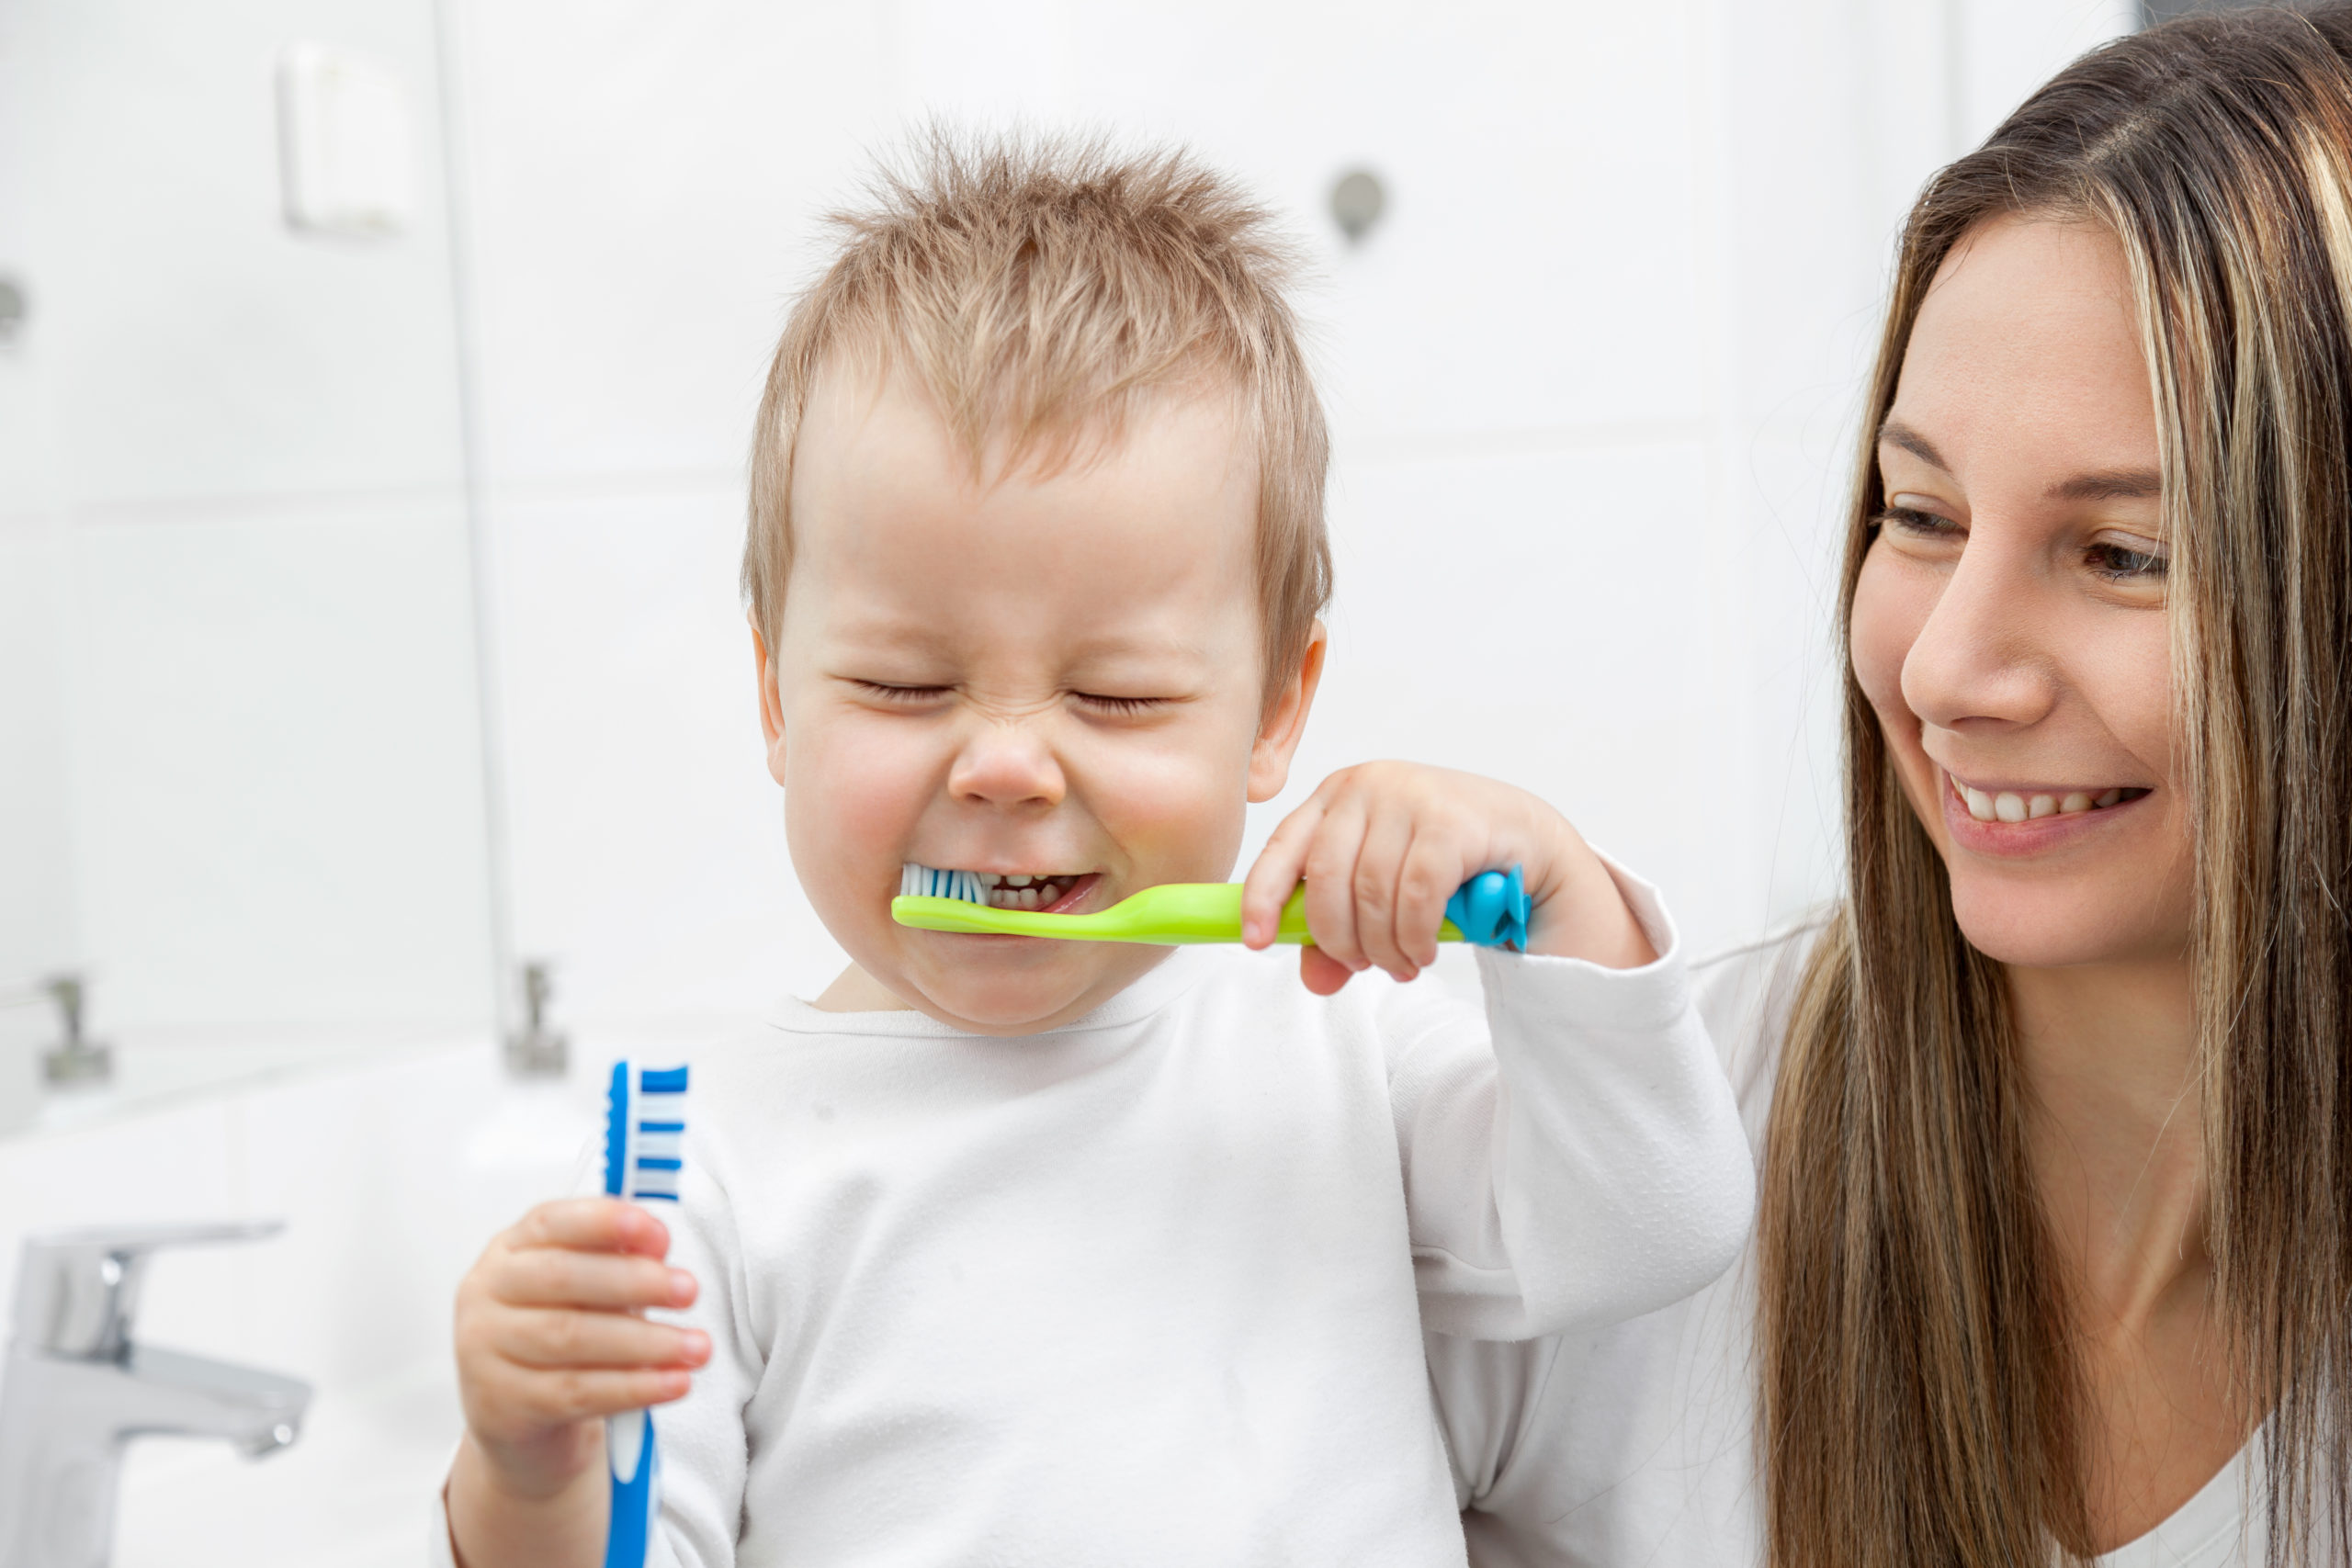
(1491, 910)
(635, 1465)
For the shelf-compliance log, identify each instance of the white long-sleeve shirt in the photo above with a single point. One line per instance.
(1149, 1289)
(1633, 1442)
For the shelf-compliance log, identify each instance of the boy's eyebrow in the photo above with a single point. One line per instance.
(917, 635)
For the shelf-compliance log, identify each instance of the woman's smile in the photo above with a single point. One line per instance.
(1990, 817)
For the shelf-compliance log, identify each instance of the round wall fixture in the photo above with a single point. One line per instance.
(1357, 201)
(13, 308)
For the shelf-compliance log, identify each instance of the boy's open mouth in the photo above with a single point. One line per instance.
(1053, 892)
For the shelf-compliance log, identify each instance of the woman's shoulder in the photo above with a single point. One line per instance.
(1746, 993)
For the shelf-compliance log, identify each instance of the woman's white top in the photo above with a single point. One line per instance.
(1634, 1443)
(1149, 1290)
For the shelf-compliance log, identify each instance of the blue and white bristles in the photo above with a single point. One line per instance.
(645, 1129)
(922, 882)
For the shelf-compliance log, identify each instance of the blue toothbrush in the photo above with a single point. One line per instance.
(645, 1125)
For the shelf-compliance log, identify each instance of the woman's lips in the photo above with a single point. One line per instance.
(2067, 815)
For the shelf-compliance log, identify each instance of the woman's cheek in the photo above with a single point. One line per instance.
(1888, 611)
(1893, 599)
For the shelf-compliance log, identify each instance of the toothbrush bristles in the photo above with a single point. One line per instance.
(923, 881)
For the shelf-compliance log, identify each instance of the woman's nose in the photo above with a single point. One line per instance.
(1980, 657)
(1007, 763)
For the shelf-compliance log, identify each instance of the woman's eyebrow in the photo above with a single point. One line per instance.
(2110, 484)
(1895, 432)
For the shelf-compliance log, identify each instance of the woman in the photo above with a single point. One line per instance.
(2055, 1111)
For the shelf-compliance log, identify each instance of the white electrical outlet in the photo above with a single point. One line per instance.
(345, 148)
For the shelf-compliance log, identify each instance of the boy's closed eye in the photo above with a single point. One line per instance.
(891, 694)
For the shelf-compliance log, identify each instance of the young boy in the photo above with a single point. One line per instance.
(1024, 1252)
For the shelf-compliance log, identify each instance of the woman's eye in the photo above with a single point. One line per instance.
(1917, 523)
(1127, 706)
(2121, 563)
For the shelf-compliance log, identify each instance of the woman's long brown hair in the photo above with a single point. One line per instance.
(1921, 1401)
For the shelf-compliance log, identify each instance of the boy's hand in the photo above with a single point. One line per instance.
(1383, 845)
(549, 1343)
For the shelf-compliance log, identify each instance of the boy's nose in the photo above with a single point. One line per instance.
(1007, 765)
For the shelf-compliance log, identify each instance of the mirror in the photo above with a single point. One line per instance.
(241, 799)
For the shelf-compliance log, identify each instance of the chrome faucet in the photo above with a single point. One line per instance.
(77, 1390)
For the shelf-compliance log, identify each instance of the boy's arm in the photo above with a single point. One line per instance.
(1590, 1165)
(1583, 1164)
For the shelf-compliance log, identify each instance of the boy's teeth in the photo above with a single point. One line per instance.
(998, 890)
(2075, 802)
(2109, 797)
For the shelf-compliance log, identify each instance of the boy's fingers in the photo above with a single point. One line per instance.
(587, 1341)
(1321, 973)
(595, 1225)
(1379, 871)
(555, 1276)
(534, 1398)
(1331, 872)
(1275, 872)
(1433, 869)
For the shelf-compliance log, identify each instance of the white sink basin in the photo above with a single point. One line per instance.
(355, 1492)
(390, 1175)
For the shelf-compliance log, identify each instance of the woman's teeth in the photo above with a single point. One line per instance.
(2007, 805)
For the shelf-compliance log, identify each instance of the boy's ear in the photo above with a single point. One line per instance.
(1285, 721)
(771, 702)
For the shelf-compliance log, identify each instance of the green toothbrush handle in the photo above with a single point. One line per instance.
(1175, 914)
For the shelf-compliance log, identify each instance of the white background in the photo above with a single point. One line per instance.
(1590, 379)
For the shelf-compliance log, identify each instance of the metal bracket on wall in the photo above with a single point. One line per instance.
(536, 1050)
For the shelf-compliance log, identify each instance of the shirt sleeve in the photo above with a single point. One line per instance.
(705, 1453)
(1582, 1163)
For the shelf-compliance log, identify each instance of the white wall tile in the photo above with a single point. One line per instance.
(645, 181)
(1535, 265)
(647, 839)
(38, 931)
(278, 810)
(198, 348)
(1481, 625)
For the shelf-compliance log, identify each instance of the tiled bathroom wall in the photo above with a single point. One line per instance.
(242, 780)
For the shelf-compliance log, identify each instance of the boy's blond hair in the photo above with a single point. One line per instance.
(1040, 292)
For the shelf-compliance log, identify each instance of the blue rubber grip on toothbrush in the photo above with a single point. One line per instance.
(1491, 910)
(634, 1494)
(643, 1123)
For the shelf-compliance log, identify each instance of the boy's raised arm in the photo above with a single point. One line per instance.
(1581, 1160)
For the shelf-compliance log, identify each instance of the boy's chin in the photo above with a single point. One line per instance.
(995, 994)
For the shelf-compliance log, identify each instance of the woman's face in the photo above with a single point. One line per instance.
(2008, 625)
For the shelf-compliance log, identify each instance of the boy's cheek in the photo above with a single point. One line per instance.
(850, 795)
(1177, 812)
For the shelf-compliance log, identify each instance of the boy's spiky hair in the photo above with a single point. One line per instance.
(1039, 290)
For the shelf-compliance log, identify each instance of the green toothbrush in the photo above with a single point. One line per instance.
(1490, 910)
